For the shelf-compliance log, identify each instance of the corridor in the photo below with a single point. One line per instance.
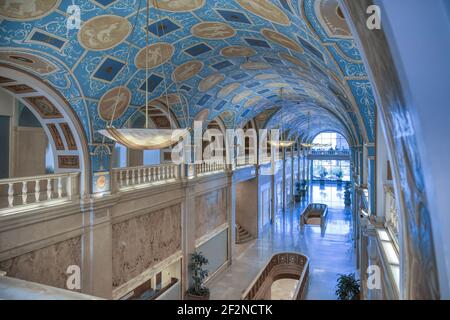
(330, 253)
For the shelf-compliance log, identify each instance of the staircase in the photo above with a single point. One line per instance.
(242, 235)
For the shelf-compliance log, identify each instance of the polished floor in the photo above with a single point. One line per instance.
(331, 251)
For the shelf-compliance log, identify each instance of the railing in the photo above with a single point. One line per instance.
(125, 178)
(264, 159)
(330, 152)
(210, 166)
(243, 161)
(281, 265)
(23, 192)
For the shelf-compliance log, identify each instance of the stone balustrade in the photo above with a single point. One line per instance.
(330, 152)
(131, 177)
(212, 166)
(28, 192)
(246, 161)
(282, 265)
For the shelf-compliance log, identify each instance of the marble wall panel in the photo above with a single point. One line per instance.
(47, 265)
(141, 242)
(211, 211)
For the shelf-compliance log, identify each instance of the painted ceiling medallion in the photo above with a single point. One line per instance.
(227, 116)
(117, 98)
(104, 32)
(225, 91)
(25, 10)
(213, 30)
(277, 85)
(187, 70)
(281, 40)
(293, 60)
(28, 61)
(210, 82)
(237, 51)
(266, 76)
(241, 96)
(255, 65)
(265, 9)
(158, 54)
(252, 101)
(178, 5)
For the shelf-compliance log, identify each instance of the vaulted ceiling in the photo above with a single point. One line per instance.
(230, 57)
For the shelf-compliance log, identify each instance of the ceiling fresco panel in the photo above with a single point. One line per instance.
(224, 55)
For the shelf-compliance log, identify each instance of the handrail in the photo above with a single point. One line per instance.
(330, 152)
(300, 263)
(129, 177)
(246, 161)
(210, 166)
(23, 192)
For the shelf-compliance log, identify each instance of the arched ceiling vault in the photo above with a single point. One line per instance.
(230, 57)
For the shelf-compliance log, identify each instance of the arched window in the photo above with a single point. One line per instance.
(331, 158)
(330, 141)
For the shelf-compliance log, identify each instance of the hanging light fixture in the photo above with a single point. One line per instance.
(282, 142)
(147, 138)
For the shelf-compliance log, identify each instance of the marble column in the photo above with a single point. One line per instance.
(96, 269)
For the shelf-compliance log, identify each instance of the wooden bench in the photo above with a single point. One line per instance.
(315, 213)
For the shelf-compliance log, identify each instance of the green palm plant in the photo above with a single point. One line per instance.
(348, 287)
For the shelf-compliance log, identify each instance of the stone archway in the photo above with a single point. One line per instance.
(61, 125)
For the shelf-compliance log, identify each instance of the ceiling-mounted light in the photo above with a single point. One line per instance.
(147, 138)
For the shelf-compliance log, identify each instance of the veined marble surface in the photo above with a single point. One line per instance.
(330, 254)
(47, 265)
(141, 242)
(211, 212)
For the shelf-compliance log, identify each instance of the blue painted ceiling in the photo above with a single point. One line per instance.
(228, 56)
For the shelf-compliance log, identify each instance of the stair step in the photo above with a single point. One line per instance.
(244, 235)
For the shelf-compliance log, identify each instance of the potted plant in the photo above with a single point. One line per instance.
(339, 174)
(323, 173)
(198, 291)
(347, 199)
(348, 287)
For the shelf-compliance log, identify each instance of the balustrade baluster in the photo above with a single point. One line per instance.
(59, 187)
(69, 187)
(24, 192)
(37, 191)
(126, 177)
(49, 189)
(10, 194)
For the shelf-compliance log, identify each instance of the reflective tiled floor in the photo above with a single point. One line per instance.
(331, 252)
